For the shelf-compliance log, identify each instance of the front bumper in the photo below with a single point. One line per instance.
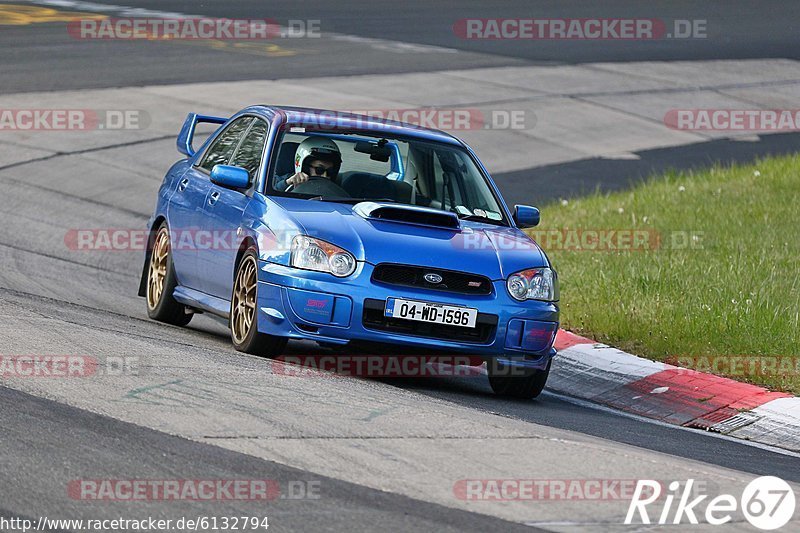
(303, 304)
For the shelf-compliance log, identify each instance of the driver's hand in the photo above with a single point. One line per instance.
(297, 179)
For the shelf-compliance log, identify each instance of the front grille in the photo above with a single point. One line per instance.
(373, 318)
(414, 276)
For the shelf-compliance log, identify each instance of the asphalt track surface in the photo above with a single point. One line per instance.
(52, 301)
(45, 57)
(74, 439)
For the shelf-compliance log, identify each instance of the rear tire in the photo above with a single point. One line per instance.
(161, 283)
(244, 312)
(523, 387)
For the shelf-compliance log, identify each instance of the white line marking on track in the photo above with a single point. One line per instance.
(590, 405)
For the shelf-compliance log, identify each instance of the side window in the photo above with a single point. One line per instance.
(284, 164)
(248, 156)
(221, 150)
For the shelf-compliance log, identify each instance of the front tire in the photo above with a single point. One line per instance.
(244, 312)
(161, 283)
(522, 387)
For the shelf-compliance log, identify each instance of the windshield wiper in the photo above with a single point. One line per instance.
(351, 200)
(479, 218)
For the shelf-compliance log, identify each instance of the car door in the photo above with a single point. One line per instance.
(186, 212)
(225, 208)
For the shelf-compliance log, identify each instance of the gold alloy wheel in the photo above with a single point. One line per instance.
(243, 306)
(157, 273)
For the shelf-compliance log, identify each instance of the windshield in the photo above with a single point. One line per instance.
(351, 167)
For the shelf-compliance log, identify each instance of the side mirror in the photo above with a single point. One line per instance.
(526, 216)
(231, 177)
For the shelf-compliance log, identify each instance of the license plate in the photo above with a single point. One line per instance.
(451, 315)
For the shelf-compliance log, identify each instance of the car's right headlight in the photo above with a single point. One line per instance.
(534, 284)
(315, 254)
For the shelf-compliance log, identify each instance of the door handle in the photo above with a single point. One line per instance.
(213, 198)
(183, 184)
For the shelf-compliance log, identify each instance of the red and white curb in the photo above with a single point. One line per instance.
(599, 373)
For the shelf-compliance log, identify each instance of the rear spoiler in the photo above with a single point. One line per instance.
(186, 135)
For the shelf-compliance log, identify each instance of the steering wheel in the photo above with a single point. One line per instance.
(291, 187)
(319, 186)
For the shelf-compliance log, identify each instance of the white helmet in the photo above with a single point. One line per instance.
(317, 148)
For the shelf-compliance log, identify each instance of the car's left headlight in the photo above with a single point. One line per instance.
(315, 254)
(534, 284)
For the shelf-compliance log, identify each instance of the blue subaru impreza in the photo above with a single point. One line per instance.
(294, 223)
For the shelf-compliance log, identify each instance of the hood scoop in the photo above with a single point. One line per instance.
(408, 214)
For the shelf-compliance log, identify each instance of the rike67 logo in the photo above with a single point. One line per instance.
(767, 502)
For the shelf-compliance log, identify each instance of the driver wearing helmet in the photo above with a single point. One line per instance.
(315, 158)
